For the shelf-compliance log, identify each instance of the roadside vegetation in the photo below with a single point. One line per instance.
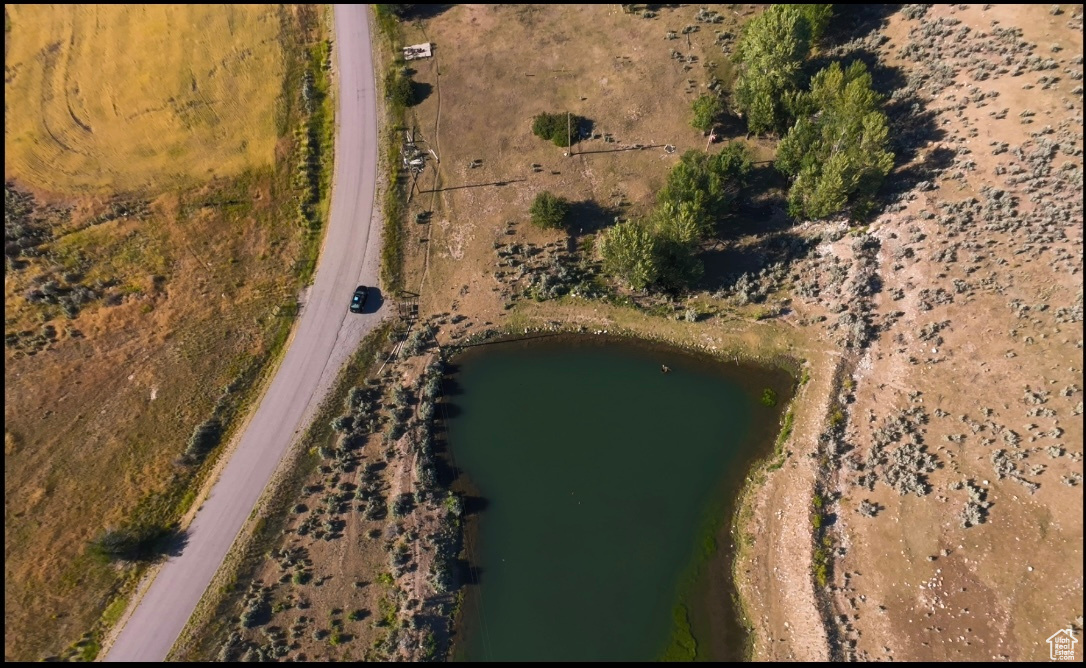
(367, 482)
(399, 95)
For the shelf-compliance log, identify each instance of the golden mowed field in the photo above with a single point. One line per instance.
(115, 97)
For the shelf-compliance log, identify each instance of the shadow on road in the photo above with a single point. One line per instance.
(374, 300)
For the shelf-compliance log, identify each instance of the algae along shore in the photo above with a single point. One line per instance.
(599, 478)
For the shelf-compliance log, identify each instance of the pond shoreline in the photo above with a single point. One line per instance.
(707, 595)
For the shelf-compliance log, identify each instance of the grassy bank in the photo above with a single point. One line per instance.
(316, 153)
(393, 201)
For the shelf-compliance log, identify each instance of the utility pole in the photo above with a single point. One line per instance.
(569, 134)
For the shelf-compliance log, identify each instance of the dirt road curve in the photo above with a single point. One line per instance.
(324, 338)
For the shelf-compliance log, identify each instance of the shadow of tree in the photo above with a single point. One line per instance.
(728, 126)
(468, 574)
(421, 12)
(762, 209)
(589, 217)
(725, 263)
(172, 543)
(851, 22)
(473, 505)
(419, 92)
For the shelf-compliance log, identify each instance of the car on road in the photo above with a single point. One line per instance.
(359, 299)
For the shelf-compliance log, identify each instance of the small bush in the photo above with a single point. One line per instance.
(343, 423)
(557, 127)
(707, 109)
(548, 211)
(399, 89)
(385, 578)
(358, 615)
(203, 440)
(769, 397)
(786, 428)
(821, 566)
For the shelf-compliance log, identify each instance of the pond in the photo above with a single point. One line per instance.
(599, 492)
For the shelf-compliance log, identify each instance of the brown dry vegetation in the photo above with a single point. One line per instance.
(188, 242)
(818, 580)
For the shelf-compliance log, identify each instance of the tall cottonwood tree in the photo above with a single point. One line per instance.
(837, 151)
(770, 55)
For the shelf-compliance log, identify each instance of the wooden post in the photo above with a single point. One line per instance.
(569, 134)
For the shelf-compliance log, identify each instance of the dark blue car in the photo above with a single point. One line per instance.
(359, 299)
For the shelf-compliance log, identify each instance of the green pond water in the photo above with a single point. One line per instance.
(599, 490)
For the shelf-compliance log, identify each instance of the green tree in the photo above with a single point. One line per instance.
(708, 182)
(556, 127)
(818, 18)
(770, 56)
(837, 152)
(659, 252)
(707, 109)
(549, 211)
(399, 89)
(684, 222)
(677, 262)
(629, 251)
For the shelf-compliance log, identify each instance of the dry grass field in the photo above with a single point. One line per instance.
(157, 146)
(111, 98)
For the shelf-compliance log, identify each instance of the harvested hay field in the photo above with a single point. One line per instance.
(117, 97)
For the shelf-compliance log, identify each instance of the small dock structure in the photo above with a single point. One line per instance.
(417, 51)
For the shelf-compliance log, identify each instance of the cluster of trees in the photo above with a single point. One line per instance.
(835, 138)
(662, 249)
(836, 153)
(770, 56)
